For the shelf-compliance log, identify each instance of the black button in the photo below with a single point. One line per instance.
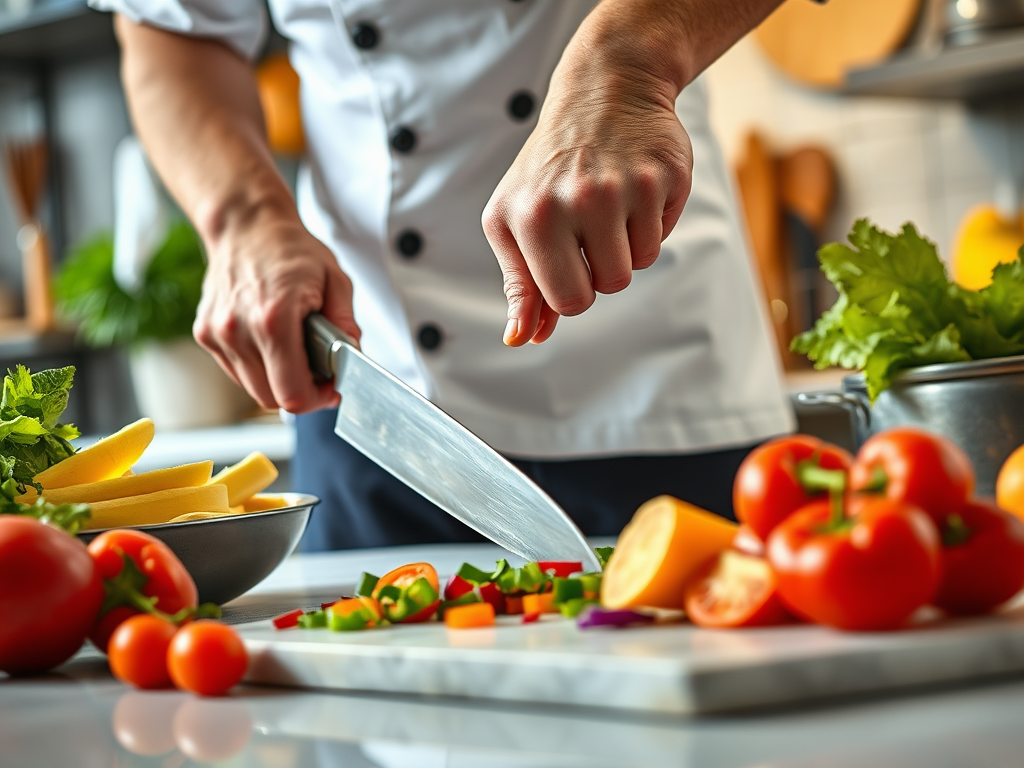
(409, 243)
(403, 140)
(429, 337)
(365, 36)
(520, 106)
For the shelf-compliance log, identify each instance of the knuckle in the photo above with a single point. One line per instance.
(269, 319)
(572, 304)
(516, 292)
(646, 259)
(613, 283)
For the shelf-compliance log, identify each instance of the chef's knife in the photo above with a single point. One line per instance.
(436, 456)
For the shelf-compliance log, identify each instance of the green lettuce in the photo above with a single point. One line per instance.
(897, 308)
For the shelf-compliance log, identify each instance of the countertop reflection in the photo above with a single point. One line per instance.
(83, 718)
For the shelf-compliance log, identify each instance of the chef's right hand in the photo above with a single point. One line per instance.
(263, 279)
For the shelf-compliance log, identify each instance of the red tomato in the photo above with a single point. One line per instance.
(735, 590)
(406, 576)
(767, 489)
(872, 572)
(915, 466)
(165, 577)
(206, 657)
(748, 542)
(50, 595)
(138, 651)
(982, 559)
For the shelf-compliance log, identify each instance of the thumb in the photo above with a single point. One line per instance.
(524, 297)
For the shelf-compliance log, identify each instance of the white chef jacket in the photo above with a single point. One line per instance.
(408, 113)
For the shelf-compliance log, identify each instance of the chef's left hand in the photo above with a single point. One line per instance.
(598, 185)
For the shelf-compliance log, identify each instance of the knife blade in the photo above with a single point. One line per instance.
(436, 456)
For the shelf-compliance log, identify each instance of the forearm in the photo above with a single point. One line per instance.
(667, 41)
(194, 104)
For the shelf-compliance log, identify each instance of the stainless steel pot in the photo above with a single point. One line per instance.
(969, 21)
(979, 405)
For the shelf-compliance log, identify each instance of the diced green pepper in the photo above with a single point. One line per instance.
(367, 582)
(604, 554)
(313, 620)
(574, 607)
(389, 593)
(591, 582)
(566, 589)
(472, 574)
(526, 580)
(353, 622)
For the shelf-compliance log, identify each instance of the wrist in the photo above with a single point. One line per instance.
(234, 216)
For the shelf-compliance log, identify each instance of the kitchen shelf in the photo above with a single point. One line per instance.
(54, 29)
(985, 70)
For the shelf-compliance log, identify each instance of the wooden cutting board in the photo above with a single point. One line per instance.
(817, 44)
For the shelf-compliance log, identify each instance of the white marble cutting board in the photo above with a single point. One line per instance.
(676, 669)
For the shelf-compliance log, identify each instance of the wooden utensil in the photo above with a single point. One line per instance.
(757, 175)
(26, 169)
(817, 44)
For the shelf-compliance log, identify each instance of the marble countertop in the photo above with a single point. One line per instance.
(80, 716)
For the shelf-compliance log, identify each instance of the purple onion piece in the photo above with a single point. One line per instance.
(596, 616)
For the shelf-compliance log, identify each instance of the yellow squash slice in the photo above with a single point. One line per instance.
(185, 476)
(110, 457)
(159, 507)
(658, 552)
(248, 477)
(262, 502)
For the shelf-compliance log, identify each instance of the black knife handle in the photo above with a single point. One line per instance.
(322, 339)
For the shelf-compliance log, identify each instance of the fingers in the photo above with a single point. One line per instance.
(521, 292)
(546, 325)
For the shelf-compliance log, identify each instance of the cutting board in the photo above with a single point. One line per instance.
(817, 44)
(673, 669)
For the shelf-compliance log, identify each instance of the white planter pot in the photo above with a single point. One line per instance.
(179, 386)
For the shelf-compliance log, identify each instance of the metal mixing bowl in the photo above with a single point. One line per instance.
(228, 556)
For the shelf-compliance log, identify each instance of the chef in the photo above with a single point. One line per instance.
(516, 206)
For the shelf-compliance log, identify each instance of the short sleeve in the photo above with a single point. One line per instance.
(241, 24)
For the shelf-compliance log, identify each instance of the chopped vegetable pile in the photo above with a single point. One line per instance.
(897, 308)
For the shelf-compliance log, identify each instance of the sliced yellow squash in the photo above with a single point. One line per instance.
(190, 516)
(185, 476)
(658, 552)
(262, 502)
(248, 477)
(108, 458)
(159, 507)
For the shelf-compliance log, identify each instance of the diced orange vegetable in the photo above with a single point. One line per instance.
(542, 603)
(659, 551)
(513, 605)
(349, 605)
(469, 616)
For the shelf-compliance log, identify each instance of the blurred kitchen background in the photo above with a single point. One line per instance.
(899, 110)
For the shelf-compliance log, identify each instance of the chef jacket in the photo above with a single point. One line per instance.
(413, 111)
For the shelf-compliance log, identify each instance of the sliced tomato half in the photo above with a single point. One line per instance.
(406, 576)
(735, 589)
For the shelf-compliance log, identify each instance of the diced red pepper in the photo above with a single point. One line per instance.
(529, 618)
(561, 568)
(456, 587)
(288, 620)
(489, 593)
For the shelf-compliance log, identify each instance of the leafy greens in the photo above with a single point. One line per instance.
(897, 308)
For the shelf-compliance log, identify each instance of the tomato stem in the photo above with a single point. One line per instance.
(813, 477)
(955, 531)
(879, 480)
(126, 589)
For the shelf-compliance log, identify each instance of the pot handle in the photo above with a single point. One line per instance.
(848, 400)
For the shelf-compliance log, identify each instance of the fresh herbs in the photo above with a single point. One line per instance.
(31, 438)
(897, 308)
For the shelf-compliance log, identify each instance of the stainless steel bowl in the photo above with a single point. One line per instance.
(979, 405)
(228, 556)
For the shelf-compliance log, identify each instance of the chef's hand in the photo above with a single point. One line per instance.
(194, 104)
(261, 284)
(604, 176)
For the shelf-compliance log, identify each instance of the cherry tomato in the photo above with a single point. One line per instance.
(165, 577)
(50, 595)
(767, 489)
(871, 572)
(138, 651)
(915, 466)
(406, 576)
(206, 657)
(735, 589)
(982, 559)
(1010, 484)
